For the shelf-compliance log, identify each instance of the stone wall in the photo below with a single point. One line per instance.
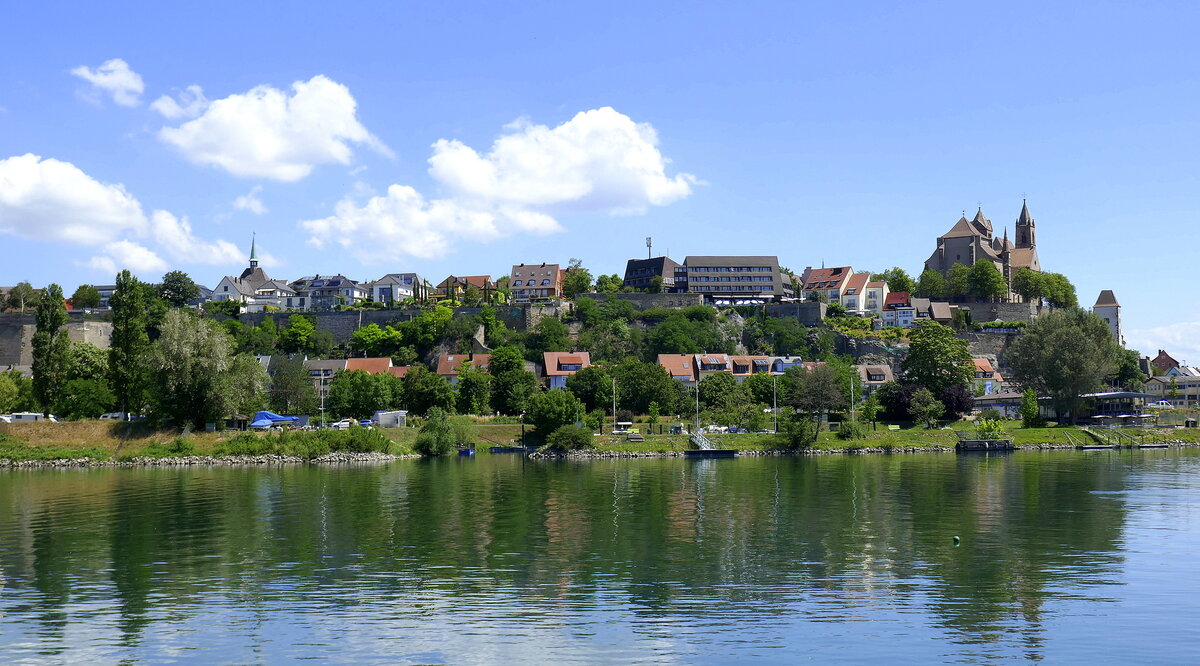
(981, 312)
(809, 314)
(992, 346)
(646, 301)
(16, 336)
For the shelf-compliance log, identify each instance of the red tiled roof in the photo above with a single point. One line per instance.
(372, 366)
(679, 365)
(836, 275)
(551, 361)
(858, 282)
(983, 365)
(749, 362)
(400, 370)
(896, 299)
(449, 364)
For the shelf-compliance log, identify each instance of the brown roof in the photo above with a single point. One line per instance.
(1023, 257)
(679, 365)
(836, 276)
(940, 310)
(400, 370)
(372, 366)
(1107, 300)
(749, 362)
(896, 299)
(983, 365)
(554, 359)
(479, 281)
(960, 229)
(876, 284)
(865, 372)
(449, 364)
(858, 282)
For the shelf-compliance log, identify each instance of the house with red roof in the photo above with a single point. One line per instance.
(829, 282)
(557, 366)
(898, 310)
(449, 365)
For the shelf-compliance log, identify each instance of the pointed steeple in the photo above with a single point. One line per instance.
(1025, 217)
(253, 251)
(1026, 235)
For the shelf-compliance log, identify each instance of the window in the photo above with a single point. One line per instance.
(545, 283)
(518, 283)
(225, 288)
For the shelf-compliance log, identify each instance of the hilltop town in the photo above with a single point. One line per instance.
(716, 331)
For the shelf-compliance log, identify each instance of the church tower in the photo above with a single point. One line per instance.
(253, 252)
(1108, 309)
(1026, 233)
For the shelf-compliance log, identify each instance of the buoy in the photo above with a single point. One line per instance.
(956, 540)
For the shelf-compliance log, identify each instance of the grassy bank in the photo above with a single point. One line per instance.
(106, 440)
(109, 441)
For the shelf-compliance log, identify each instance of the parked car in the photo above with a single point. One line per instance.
(344, 424)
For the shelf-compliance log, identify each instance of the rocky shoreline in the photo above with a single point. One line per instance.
(337, 458)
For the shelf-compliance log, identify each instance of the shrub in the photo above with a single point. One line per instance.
(437, 435)
(464, 432)
(796, 432)
(1031, 413)
(989, 429)
(851, 430)
(180, 446)
(569, 438)
(991, 413)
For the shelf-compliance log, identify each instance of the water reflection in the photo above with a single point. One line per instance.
(506, 558)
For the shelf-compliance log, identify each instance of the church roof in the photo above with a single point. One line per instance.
(1023, 257)
(1025, 217)
(253, 275)
(982, 223)
(960, 229)
(1107, 300)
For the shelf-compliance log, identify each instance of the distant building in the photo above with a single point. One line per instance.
(449, 365)
(1163, 361)
(254, 290)
(455, 287)
(733, 280)
(1108, 309)
(326, 292)
(394, 288)
(971, 240)
(530, 283)
(828, 282)
(641, 273)
(557, 366)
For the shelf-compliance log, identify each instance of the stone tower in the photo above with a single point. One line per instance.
(1108, 309)
(1026, 231)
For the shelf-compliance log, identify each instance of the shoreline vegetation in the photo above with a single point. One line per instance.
(108, 444)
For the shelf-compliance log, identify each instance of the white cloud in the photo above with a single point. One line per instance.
(1181, 340)
(600, 161)
(55, 201)
(192, 103)
(120, 255)
(175, 236)
(251, 202)
(265, 133)
(115, 78)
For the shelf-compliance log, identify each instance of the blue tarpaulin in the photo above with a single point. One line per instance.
(268, 419)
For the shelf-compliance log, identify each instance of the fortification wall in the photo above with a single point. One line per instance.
(16, 336)
(809, 314)
(981, 312)
(646, 301)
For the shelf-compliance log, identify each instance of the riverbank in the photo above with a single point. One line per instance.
(108, 444)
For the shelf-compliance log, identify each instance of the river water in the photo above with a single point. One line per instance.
(1066, 557)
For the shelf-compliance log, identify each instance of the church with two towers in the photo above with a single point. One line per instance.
(971, 240)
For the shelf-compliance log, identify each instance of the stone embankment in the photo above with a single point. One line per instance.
(338, 458)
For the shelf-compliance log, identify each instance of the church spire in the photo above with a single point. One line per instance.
(253, 250)
(1026, 236)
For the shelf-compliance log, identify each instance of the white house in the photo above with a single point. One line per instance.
(254, 290)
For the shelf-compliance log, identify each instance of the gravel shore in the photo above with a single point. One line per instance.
(206, 461)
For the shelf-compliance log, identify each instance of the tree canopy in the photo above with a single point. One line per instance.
(937, 359)
(1064, 354)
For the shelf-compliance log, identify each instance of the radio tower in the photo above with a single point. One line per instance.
(649, 243)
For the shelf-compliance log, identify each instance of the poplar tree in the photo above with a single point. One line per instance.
(51, 348)
(130, 342)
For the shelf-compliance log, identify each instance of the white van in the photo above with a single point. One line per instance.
(114, 416)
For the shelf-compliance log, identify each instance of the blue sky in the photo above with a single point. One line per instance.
(462, 138)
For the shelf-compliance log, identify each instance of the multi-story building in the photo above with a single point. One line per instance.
(1186, 390)
(254, 290)
(393, 288)
(733, 279)
(529, 283)
(455, 287)
(557, 366)
(643, 273)
(898, 310)
(828, 282)
(876, 296)
(326, 292)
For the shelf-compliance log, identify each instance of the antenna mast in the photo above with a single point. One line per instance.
(649, 244)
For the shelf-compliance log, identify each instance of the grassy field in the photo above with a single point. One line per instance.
(106, 440)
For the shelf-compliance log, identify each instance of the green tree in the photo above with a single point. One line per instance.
(816, 391)
(292, 390)
(1064, 354)
(21, 296)
(931, 284)
(549, 334)
(85, 399)
(721, 391)
(986, 281)
(506, 359)
(569, 438)
(85, 296)
(424, 390)
(897, 279)
(1031, 413)
(243, 388)
(261, 340)
(609, 284)
(512, 390)
(178, 289)
(474, 390)
(761, 388)
(189, 364)
(358, 394)
(25, 400)
(937, 359)
(958, 281)
(639, 384)
(8, 394)
(1129, 373)
(1059, 291)
(578, 280)
(796, 431)
(226, 307)
(869, 410)
(1029, 284)
(925, 409)
(593, 386)
(297, 336)
(51, 348)
(552, 410)
(437, 435)
(130, 343)
(86, 361)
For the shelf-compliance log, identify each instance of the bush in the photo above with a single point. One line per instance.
(464, 432)
(796, 432)
(305, 444)
(989, 429)
(569, 438)
(991, 413)
(851, 430)
(437, 435)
